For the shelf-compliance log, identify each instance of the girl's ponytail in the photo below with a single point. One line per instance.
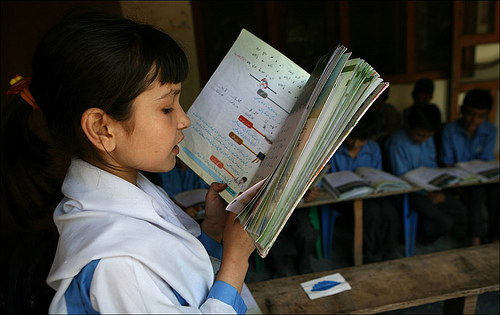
(31, 178)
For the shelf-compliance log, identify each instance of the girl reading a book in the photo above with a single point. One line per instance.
(108, 89)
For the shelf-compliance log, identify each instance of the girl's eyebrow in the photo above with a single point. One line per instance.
(171, 92)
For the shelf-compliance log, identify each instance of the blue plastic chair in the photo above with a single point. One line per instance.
(328, 217)
(410, 219)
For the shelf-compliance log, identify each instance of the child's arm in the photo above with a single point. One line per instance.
(488, 152)
(220, 225)
(238, 246)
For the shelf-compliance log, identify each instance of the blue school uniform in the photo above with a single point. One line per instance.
(369, 156)
(177, 181)
(458, 146)
(406, 155)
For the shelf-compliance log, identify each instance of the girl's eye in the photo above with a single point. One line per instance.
(167, 110)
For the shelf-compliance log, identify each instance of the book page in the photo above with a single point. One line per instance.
(238, 114)
(486, 170)
(346, 184)
(382, 181)
(256, 220)
(432, 179)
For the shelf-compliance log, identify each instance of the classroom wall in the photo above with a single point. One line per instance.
(400, 96)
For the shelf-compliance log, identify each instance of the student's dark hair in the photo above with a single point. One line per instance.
(366, 127)
(89, 59)
(478, 99)
(424, 85)
(425, 116)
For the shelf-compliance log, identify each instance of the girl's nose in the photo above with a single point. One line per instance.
(184, 120)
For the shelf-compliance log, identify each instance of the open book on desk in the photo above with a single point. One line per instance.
(432, 179)
(266, 127)
(485, 171)
(363, 181)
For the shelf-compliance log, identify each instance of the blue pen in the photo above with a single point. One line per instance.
(324, 285)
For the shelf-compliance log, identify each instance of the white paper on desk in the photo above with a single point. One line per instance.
(343, 286)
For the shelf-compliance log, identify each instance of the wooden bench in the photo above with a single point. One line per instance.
(455, 277)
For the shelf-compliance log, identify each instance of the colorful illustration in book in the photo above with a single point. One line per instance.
(249, 124)
(240, 181)
(265, 85)
(259, 156)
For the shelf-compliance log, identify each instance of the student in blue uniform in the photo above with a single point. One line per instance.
(473, 137)
(381, 221)
(413, 147)
(180, 179)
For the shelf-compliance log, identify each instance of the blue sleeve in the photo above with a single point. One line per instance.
(228, 294)
(397, 158)
(490, 142)
(213, 248)
(170, 182)
(377, 155)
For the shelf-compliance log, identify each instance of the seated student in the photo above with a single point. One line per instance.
(422, 93)
(413, 147)
(381, 221)
(472, 137)
(180, 179)
(296, 242)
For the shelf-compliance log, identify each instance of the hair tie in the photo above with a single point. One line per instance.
(21, 86)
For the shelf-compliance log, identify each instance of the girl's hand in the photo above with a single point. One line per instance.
(215, 212)
(238, 246)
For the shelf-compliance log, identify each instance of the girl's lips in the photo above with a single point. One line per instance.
(176, 147)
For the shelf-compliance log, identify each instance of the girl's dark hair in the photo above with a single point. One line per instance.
(89, 59)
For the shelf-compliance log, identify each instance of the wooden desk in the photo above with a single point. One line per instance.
(326, 198)
(455, 276)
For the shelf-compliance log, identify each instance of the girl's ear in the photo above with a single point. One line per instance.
(98, 127)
